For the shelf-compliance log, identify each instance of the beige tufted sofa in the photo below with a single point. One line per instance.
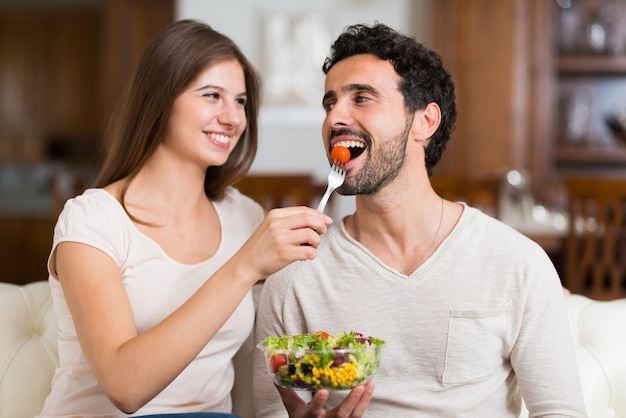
(28, 353)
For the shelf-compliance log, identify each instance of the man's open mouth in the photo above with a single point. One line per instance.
(356, 148)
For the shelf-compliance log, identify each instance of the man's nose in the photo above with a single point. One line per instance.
(338, 116)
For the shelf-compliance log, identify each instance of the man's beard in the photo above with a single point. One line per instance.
(379, 169)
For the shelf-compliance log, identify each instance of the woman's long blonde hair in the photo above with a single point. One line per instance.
(171, 61)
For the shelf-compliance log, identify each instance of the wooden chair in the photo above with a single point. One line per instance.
(595, 252)
(281, 190)
(271, 191)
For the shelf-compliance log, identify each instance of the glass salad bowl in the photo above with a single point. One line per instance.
(321, 361)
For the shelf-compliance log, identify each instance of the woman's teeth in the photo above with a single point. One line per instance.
(223, 139)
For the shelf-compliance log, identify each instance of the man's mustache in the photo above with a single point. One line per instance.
(351, 132)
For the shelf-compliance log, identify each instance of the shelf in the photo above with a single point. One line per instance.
(580, 65)
(582, 155)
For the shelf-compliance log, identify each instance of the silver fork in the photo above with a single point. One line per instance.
(335, 179)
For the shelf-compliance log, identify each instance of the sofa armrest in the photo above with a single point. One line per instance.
(599, 330)
(599, 333)
(28, 348)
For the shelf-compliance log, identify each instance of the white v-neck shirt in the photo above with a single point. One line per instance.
(479, 325)
(156, 285)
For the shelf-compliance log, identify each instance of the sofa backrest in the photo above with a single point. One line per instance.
(28, 353)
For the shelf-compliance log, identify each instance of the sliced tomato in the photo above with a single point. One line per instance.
(322, 335)
(277, 360)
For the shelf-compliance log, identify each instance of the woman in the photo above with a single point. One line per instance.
(151, 270)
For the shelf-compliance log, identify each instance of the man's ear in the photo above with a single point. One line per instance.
(426, 122)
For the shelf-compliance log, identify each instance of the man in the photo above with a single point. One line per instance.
(472, 312)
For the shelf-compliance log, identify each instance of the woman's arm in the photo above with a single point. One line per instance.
(133, 368)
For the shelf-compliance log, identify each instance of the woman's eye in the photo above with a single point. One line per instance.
(241, 101)
(212, 95)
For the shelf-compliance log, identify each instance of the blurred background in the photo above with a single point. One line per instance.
(541, 94)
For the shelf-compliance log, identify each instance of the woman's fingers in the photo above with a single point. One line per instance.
(285, 235)
(300, 217)
(294, 226)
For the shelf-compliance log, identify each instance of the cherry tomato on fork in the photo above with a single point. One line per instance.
(340, 155)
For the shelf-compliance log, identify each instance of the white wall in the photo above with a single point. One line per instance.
(290, 138)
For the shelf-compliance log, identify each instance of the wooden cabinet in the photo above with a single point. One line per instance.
(25, 244)
(520, 94)
(73, 72)
(589, 74)
(62, 70)
(128, 27)
(49, 73)
(485, 44)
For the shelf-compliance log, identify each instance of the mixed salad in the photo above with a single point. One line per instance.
(319, 360)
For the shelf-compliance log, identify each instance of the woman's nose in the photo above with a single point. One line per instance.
(231, 114)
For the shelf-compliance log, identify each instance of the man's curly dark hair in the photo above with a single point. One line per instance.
(424, 79)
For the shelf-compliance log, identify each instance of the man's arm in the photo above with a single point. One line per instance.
(544, 358)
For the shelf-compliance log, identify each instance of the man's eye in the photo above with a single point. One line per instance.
(361, 99)
(328, 106)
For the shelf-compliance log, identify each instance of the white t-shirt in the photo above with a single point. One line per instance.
(156, 285)
(481, 324)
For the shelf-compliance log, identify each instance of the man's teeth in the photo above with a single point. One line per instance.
(219, 138)
(350, 144)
